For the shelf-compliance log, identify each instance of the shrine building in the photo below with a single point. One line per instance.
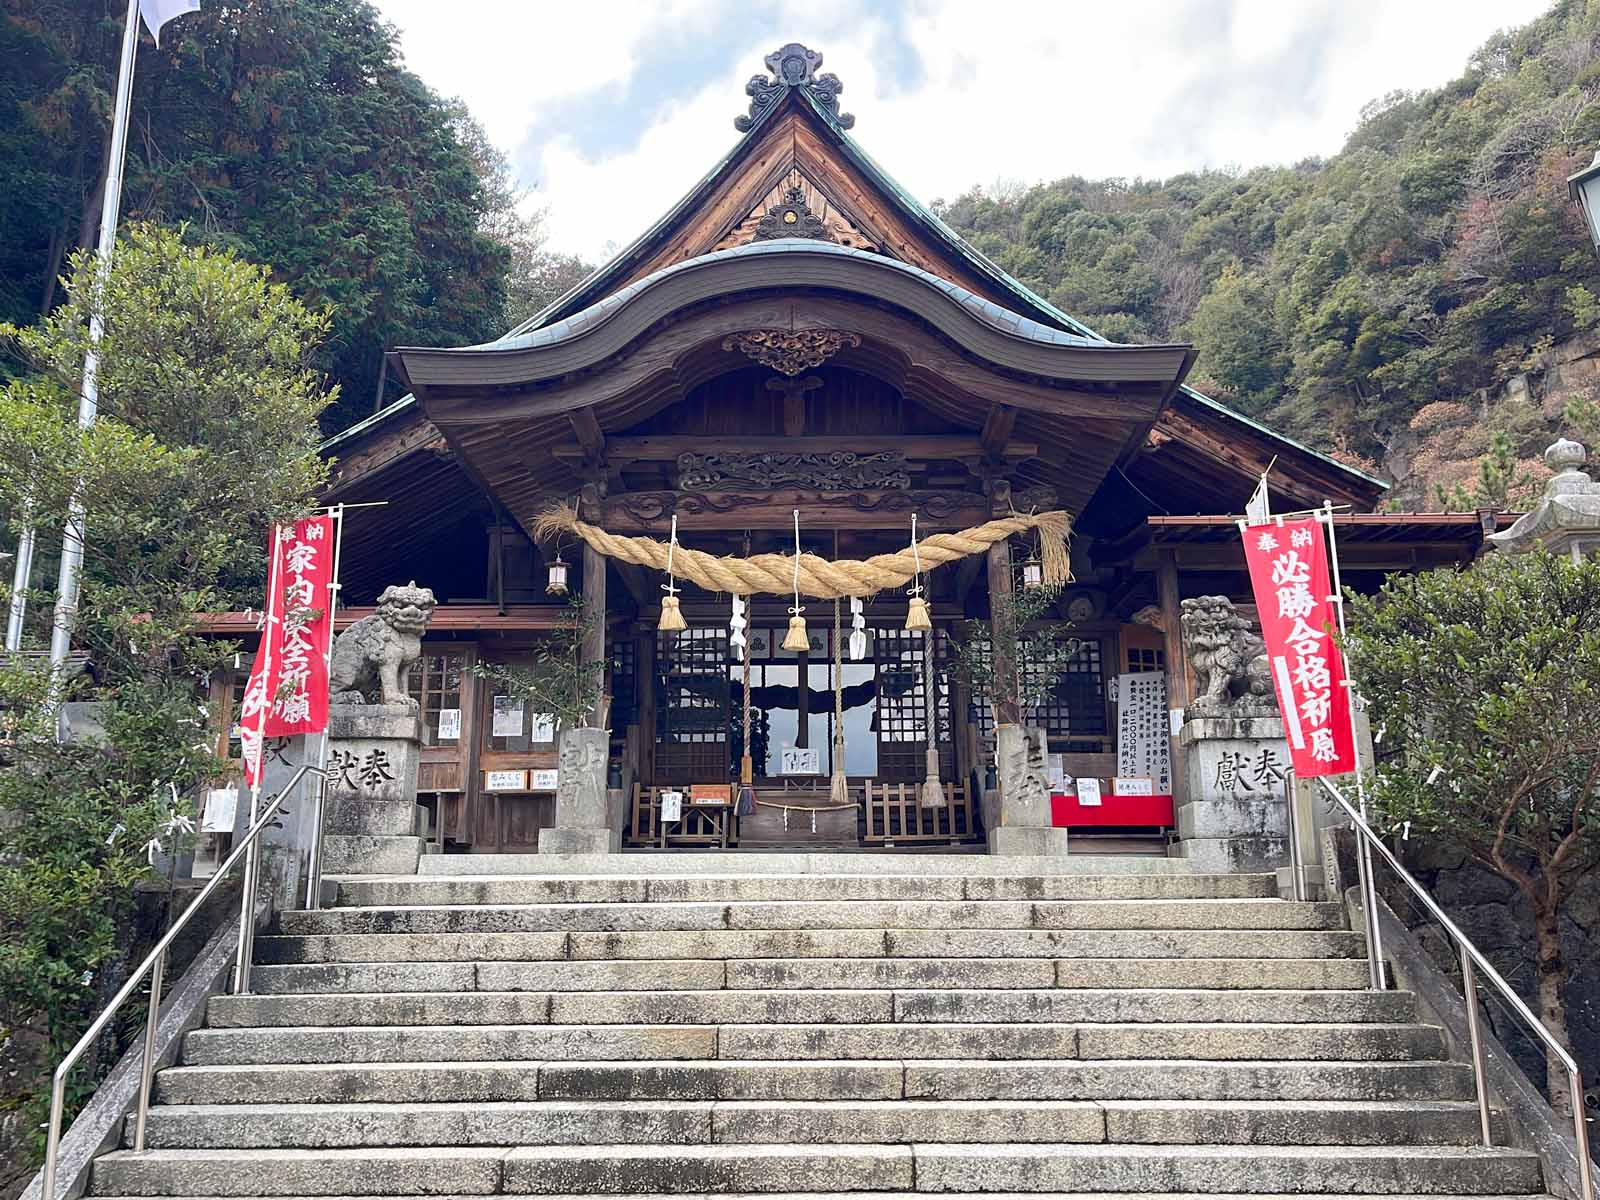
(797, 334)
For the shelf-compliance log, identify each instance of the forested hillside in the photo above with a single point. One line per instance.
(1377, 303)
(290, 131)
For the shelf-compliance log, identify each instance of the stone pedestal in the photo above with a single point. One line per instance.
(584, 812)
(1235, 819)
(371, 822)
(1020, 821)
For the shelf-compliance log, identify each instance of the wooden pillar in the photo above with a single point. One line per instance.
(1008, 708)
(1177, 667)
(593, 649)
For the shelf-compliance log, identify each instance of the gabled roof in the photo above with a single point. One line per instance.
(797, 91)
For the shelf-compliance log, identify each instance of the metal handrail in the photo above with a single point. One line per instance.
(1473, 961)
(155, 965)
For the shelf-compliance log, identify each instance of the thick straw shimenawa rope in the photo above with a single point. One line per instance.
(776, 574)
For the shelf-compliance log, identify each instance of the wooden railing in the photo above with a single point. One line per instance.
(895, 815)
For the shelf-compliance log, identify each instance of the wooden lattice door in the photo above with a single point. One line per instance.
(903, 705)
(692, 706)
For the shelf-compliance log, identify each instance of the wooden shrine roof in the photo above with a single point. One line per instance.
(976, 349)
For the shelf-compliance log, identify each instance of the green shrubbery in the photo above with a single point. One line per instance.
(207, 433)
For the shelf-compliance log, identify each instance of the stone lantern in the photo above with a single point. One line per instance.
(1567, 518)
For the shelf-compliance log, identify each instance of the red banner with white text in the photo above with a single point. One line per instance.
(288, 690)
(1289, 575)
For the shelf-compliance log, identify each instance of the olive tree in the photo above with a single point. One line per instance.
(1486, 682)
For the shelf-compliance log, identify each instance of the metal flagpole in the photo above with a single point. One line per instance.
(314, 866)
(20, 577)
(89, 398)
(1369, 887)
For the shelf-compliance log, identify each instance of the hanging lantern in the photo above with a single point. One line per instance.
(1032, 572)
(671, 616)
(556, 582)
(796, 639)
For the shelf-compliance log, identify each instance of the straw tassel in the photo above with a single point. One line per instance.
(796, 639)
(671, 615)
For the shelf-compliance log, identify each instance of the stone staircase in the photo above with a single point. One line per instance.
(925, 1026)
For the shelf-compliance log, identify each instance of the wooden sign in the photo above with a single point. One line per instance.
(711, 793)
(544, 781)
(505, 781)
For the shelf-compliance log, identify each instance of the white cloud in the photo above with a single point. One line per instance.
(1007, 90)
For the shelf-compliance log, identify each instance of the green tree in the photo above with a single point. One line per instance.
(288, 130)
(207, 434)
(1487, 682)
(1233, 327)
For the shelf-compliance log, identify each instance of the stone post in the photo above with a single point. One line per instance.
(1020, 821)
(1235, 819)
(585, 820)
(1234, 815)
(371, 823)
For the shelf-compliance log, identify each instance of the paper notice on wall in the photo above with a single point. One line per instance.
(507, 717)
(1088, 792)
(1124, 785)
(449, 724)
(544, 728)
(1143, 740)
(222, 810)
(1055, 771)
(800, 760)
(671, 807)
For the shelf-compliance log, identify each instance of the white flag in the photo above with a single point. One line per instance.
(1257, 511)
(157, 13)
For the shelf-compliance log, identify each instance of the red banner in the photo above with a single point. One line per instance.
(288, 690)
(1289, 575)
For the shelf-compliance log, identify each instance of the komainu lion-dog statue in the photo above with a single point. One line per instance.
(1228, 657)
(371, 658)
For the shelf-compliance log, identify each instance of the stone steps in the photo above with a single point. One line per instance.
(923, 1167)
(789, 863)
(854, 1024)
(705, 945)
(909, 1195)
(811, 973)
(727, 1007)
(656, 1122)
(816, 1079)
(804, 1042)
(817, 915)
(369, 891)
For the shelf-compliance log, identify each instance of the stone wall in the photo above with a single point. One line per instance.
(1494, 915)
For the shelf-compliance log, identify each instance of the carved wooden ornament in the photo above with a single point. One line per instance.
(791, 217)
(790, 351)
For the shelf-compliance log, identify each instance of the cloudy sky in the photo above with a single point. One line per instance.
(612, 109)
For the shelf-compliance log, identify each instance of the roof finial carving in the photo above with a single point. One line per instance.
(792, 66)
